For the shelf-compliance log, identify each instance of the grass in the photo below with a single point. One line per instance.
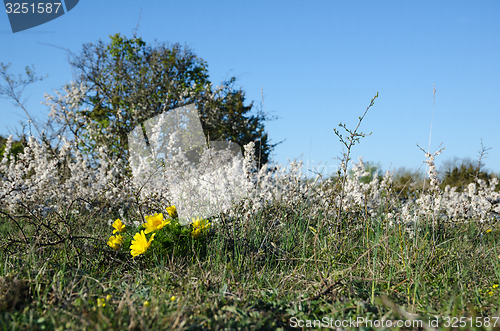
(281, 266)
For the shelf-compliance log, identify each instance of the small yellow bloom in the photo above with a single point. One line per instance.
(119, 226)
(100, 302)
(115, 242)
(199, 226)
(490, 293)
(146, 304)
(200, 223)
(172, 211)
(196, 233)
(495, 286)
(488, 231)
(108, 297)
(155, 222)
(140, 244)
(173, 298)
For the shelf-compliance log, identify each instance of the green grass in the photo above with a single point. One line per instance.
(256, 274)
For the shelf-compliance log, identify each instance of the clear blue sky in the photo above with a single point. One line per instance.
(318, 62)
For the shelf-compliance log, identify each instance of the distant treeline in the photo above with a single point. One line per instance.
(457, 173)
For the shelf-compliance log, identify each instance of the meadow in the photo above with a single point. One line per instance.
(293, 250)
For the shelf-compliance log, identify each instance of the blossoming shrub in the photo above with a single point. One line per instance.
(45, 179)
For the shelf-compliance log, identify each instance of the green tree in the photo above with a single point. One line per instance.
(17, 146)
(128, 81)
(406, 182)
(460, 173)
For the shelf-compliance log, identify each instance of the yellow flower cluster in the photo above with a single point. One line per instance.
(140, 244)
(116, 242)
(101, 302)
(493, 288)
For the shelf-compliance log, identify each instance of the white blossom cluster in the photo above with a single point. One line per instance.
(43, 179)
(480, 202)
(177, 167)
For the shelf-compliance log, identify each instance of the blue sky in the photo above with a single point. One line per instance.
(318, 63)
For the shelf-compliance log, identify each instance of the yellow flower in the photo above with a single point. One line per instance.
(199, 227)
(155, 222)
(488, 231)
(146, 304)
(140, 244)
(108, 297)
(119, 226)
(495, 286)
(490, 293)
(172, 211)
(115, 242)
(101, 302)
(173, 298)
